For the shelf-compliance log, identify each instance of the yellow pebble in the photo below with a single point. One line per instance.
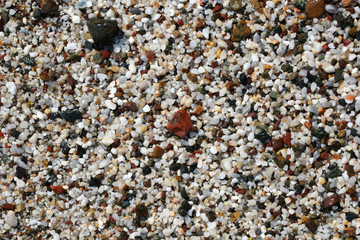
(47, 111)
(218, 53)
(212, 44)
(143, 128)
(322, 181)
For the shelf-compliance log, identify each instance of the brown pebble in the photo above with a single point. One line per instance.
(342, 64)
(150, 55)
(49, 7)
(158, 152)
(331, 200)
(8, 206)
(240, 32)
(131, 106)
(311, 225)
(315, 8)
(277, 144)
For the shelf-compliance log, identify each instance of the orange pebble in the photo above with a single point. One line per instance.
(307, 125)
(349, 98)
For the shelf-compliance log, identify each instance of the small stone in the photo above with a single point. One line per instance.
(82, 4)
(71, 115)
(49, 7)
(331, 200)
(315, 8)
(350, 231)
(150, 55)
(158, 152)
(135, 11)
(21, 172)
(57, 189)
(184, 208)
(180, 124)
(142, 212)
(193, 77)
(262, 135)
(351, 216)
(123, 236)
(102, 31)
(240, 32)
(28, 61)
(277, 144)
(322, 73)
(131, 106)
(37, 13)
(235, 5)
(302, 37)
(255, 4)
(311, 225)
(211, 216)
(8, 206)
(287, 139)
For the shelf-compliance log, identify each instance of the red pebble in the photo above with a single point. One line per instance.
(180, 124)
(57, 189)
(325, 48)
(105, 55)
(217, 8)
(346, 42)
(180, 22)
(324, 155)
(8, 206)
(287, 139)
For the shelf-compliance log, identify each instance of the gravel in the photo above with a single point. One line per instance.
(179, 119)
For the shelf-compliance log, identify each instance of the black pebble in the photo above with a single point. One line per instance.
(146, 170)
(14, 133)
(80, 151)
(71, 115)
(88, 45)
(174, 166)
(184, 208)
(351, 216)
(184, 194)
(20, 172)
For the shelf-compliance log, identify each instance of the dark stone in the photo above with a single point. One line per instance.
(299, 188)
(342, 102)
(357, 35)
(88, 45)
(142, 212)
(302, 37)
(28, 61)
(174, 166)
(351, 216)
(146, 170)
(21, 172)
(123, 236)
(184, 208)
(311, 225)
(184, 194)
(277, 29)
(14, 133)
(135, 11)
(96, 181)
(103, 31)
(338, 75)
(243, 79)
(335, 172)
(80, 151)
(286, 67)
(320, 133)
(71, 115)
(184, 168)
(331, 200)
(322, 74)
(211, 216)
(262, 135)
(37, 14)
(49, 7)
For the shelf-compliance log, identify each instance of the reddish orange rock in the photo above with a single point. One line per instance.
(331, 200)
(57, 189)
(150, 55)
(158, 152)
(287, 139)
(8, 206)
(277, 144)
(315, 8)
(180, 124)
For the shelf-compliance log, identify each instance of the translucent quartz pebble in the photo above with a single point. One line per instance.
(83, 4)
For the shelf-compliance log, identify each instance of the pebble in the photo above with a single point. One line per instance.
(102, 31)
(331, 200)
(49, 7)
(71, 115)
(240, 32)
(315, 8)
(180, 124)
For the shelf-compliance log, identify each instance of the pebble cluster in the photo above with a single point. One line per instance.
(179, 119)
